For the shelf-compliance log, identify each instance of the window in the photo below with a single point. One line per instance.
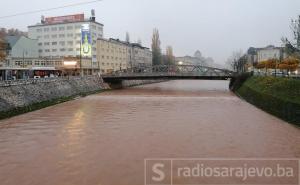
(70, 43)
(46, 43)
(61, 28)
(54, 29)
(39, 30)
(78, 26)
(70, 49)
(61, 35)
(40, 51)
(37, 63)
(54, 36)
(62, 49)
(47, 50)
(46, 36)
(46, 29)
(69, 27)
(62, 43)
(70, 35)
(40, 44)
(54, 43)
(54, 50)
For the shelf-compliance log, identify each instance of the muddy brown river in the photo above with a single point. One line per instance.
(103, 139)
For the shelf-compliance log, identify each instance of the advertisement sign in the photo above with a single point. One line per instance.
(86, 43)
(62, 19)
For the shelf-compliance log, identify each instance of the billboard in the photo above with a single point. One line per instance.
(86, 43)
(62, 19)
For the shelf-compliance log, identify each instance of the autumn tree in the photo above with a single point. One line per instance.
(289, 64)
(156, 50)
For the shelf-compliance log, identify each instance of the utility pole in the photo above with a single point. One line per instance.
(80, 60)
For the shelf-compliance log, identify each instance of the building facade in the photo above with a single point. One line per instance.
(22, 47)
(256, 55)
(62, 36)
(114, 55)
(139, 56)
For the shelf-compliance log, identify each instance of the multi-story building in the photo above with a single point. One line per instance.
(140, 56)
(262, 54)
(68, 36)
(112, 54)
(115, 55)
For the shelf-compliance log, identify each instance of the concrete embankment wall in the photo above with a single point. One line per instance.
(277, 96)
(130, 83)
(22, 93)
(22, 96)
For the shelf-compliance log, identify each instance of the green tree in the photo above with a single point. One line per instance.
(156, 50)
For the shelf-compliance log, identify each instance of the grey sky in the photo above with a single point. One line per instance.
(215, 27)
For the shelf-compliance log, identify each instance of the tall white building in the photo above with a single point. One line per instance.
(62, 36)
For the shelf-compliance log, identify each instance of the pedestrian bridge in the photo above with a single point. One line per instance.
(171, 72)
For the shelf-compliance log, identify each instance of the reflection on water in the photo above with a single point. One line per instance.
(104, 138)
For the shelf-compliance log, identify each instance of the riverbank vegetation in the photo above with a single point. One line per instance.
(278, 96)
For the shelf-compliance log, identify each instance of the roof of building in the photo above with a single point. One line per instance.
(12, 39)
(84, 21)
(123, 42)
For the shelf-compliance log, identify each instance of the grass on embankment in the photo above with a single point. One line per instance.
(41, 105)
(278, 96)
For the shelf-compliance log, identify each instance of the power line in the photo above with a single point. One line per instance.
(49, 9)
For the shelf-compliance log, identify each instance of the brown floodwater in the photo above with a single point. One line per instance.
(103, 139)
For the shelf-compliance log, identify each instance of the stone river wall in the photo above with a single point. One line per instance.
(22, 93)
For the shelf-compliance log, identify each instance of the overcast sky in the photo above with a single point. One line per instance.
(215, 27)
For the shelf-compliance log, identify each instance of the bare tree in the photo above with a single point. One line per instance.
(237, 61)
(295, 27)
(156, 50)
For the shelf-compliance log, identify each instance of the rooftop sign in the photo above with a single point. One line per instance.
(63, 19)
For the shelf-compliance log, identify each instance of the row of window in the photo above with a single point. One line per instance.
(55, 50)
(63, 28)
(113, 64)
(116, 58)
(38, 63)
(61, 43)
(69, 35)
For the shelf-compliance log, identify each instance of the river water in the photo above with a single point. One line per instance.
(103, 139)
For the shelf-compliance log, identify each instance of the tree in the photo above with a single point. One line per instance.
(289, 64)
(292, 48)
(237, 61)
(4, 47)
(139, 41)
(156, 50)
(295, 27)
(169, 58)
(127, 37)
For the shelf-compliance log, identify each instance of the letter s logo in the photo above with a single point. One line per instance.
(156, 169)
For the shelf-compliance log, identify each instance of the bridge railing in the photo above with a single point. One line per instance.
(171, 70)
